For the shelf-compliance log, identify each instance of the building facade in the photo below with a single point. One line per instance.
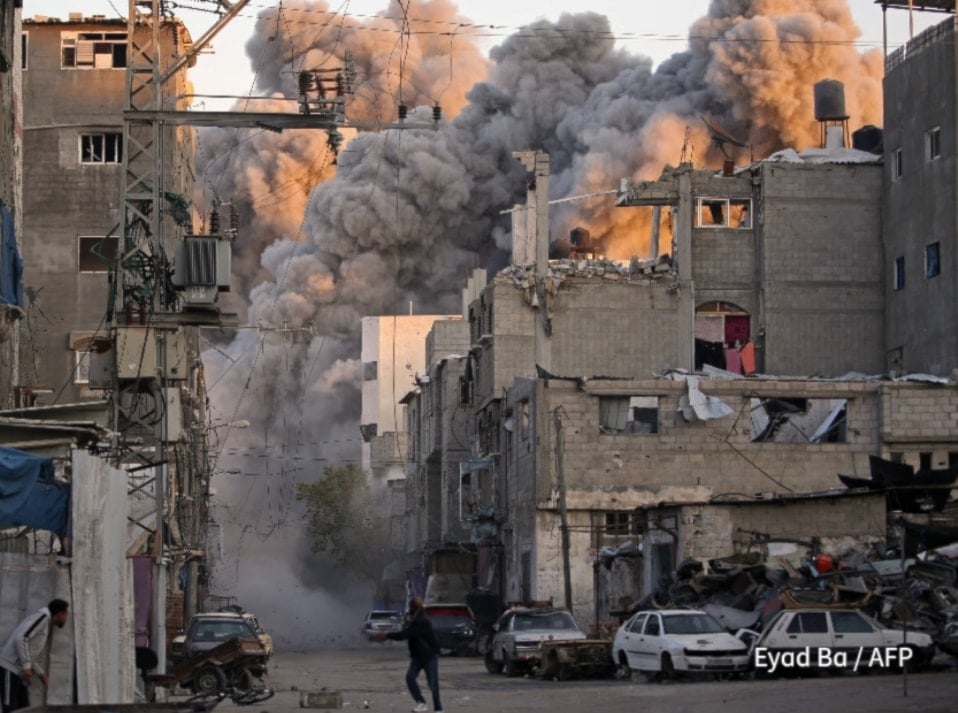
(920, 206)
(733, 368)
(74, 95)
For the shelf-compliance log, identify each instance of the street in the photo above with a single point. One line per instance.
(371, 677)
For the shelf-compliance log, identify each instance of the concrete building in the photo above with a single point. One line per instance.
(773, 269)
(74, 95)
(393, 354)
(920, 206)
(11, 147)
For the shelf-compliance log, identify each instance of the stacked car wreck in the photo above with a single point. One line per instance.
(612, 419)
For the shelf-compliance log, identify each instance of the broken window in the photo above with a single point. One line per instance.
(932, 260)
(799, 420)
(93, 50)
(898, 276)
(933, 143)
(97, 253)
(724, 213)
(629, 414)
(101, 148)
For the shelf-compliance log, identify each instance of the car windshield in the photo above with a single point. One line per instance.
(556, 621)
(221, 630)
(383, 616)
(450, 620)
(691, 624)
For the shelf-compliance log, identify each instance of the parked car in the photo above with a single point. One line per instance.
(834, 638)
(454, 626)
(380, 621)
(668, 642)
(516, 646)
(208, 630)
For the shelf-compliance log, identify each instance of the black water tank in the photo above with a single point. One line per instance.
(868, 138)
(829, 100)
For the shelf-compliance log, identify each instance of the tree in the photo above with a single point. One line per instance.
(342, 520)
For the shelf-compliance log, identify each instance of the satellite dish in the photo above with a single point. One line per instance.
(720, 136)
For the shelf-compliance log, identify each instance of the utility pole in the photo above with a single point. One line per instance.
(563, 513)
(158, 302)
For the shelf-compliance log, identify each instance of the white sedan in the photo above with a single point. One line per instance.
(664, 643)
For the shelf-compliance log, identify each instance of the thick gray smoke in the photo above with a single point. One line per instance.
(406, 214)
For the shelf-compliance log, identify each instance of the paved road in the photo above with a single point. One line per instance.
(372, 676)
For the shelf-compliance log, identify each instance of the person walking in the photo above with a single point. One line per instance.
(423, 654)
(19, 657)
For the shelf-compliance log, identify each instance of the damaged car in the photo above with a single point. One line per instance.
(516, 647)
(664, 644)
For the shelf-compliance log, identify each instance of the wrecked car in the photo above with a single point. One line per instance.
(516, 647)
(664, 644)
(454, 626)
(380, 621)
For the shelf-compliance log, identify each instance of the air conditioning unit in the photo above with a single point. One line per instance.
(202, 269)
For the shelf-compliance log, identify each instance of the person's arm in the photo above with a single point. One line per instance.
(29, 630)
(36, 643)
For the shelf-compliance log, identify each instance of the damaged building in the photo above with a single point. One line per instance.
(608, 398)
(704, 399)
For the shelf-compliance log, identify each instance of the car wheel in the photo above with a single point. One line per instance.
(492, 666)
(510, 666)
(243, 681)
(915, 663)
(622, 670)
(667, 672)
(208, 680)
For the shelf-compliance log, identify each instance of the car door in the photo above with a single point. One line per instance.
(631, 631)
(650, 644)
(503, 640)
(852, 631)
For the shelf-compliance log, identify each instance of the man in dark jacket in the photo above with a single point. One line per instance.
(423, 654)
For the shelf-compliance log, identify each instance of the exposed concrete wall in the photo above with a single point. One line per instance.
(919, 417)
(610, 327)
(698, 460)
(716, 530)
(920, 206)
(821, 268)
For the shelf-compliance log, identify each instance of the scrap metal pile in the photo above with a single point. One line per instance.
(746, 590)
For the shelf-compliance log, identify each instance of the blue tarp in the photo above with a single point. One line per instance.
(11, 264)
(30, 496)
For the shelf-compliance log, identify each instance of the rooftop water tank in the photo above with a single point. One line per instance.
(830, 100)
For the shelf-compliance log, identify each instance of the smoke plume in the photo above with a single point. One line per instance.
(405, 215)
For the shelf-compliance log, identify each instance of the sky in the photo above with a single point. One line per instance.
(226, 70)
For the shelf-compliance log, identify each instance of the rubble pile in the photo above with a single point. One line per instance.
(744, 591)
